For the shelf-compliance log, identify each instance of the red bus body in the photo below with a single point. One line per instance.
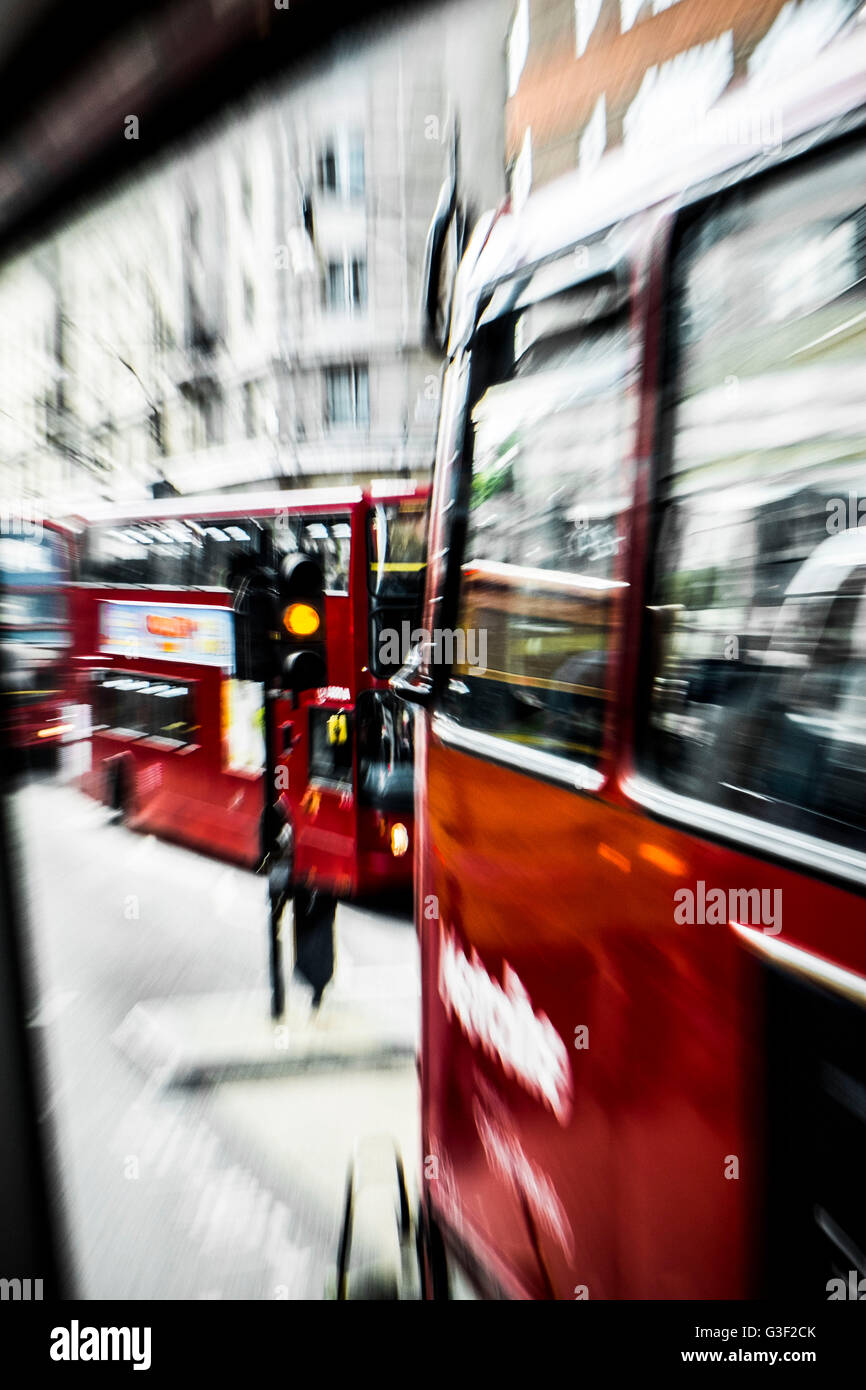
(189, 790)
(35, 631)
(617, 1104)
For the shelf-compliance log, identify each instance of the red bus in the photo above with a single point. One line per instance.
(35, 570)
(178, 741)
(641, 821)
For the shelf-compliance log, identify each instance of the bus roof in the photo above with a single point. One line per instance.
(630, 180)
(217, 505)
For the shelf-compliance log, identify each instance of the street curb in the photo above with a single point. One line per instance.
(203, 1039)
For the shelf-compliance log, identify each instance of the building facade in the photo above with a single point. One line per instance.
(248, 314)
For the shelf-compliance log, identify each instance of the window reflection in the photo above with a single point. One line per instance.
(550, 481)
(758, 601)
(385, 751)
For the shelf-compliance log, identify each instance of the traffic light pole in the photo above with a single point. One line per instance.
(276, 897)
(268, 604)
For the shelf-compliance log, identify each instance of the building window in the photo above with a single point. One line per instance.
(630, 9)
(521, 173)
(628, 13)
(157, 429)
(340, 166)
(247, 194)
(210, 417)
(347, 396)
(251, 421)
(327, 169)
(797, 31)
(518, 45)
(586, 14)
(346, 285)
(680, 92)
(358, 283)
(193, 227)
(594, 137)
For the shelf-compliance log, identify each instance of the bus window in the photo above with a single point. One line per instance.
(385, 751)
(757, 600)
(225, 548)
(549, 445)
(397, 548)
(327, 538)
(116, 555)
(331, 747)
(143, 707)
(174, 553)
(396, 558)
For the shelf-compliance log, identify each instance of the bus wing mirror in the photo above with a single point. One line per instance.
(434, 327)
(412, 682)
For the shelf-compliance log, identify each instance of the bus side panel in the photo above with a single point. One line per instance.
(592, 1084)
(185, 795)
(338, 633)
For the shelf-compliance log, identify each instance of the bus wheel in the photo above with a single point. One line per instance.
(432, 1261)
(314, 939)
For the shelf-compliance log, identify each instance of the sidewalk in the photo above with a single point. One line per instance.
(208, 1038)
(297, 1100)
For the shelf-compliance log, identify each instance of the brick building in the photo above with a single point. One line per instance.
(587, 75)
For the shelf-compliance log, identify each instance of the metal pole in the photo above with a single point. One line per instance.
(276, 898)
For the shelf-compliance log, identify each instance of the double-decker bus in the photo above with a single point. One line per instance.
(36, 558)
(641, 822)
(178, 740)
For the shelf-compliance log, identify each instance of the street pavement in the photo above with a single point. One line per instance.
(202, 1149)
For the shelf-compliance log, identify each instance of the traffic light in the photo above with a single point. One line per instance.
(301, 628)
(280, 624)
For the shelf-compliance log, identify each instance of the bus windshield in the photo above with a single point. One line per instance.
(397, 548)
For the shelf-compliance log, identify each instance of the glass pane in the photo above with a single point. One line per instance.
(397, 548)
(758, 691)
(359, 283)
(327, 538)
(356, 167)
(340, 403)
(362, 396)
(550, 479)
(385, 751)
